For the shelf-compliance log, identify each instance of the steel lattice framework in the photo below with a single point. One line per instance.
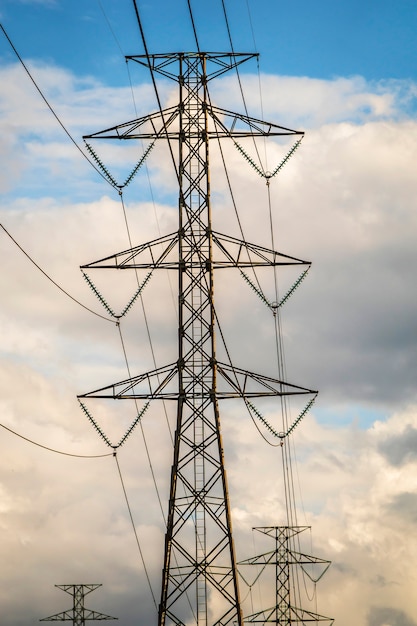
(199, 570)
(284, 558)
(78, 615)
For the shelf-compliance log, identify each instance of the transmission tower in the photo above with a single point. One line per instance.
(199, 578)
(285, 558)
(78, 614)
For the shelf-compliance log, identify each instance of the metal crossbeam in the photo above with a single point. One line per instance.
(78, 614)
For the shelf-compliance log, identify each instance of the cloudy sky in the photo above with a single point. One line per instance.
(345, 74)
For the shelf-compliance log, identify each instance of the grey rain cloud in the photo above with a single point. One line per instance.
(385, 616)
(405, 506)
(400, 449)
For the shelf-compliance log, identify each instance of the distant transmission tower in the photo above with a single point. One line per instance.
(284, 558)
(78, 614)
(199, 578)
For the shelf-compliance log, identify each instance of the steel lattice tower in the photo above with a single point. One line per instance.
(284, 558)
(199, 569)
(78, 615)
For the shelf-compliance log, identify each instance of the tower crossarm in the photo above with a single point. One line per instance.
(78, 615)
(152, 126)
(151, 255)
(59, 617)
(296, 616)
(68, 616)
(294, 558)
(306, 559)
(225, 123)
(240, 253)
(216, 63)
(230, 124)
(160, 384)
(160, 253)
(245, 384)
(93, 615)
(301, 616)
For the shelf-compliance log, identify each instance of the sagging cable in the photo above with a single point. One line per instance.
(98, 294)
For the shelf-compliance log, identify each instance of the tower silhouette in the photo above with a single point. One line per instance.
(79, 615)
(200, 583)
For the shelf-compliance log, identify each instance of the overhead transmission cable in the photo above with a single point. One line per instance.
(147, 170)
(287, 444)
(234, 204)
(135, 531)
(259, 71)
(39, 445)
(137, 278)
(220, 144)
(50, 107)
(237, 217)
(106, 178)
(112, 183)
(78, 148)
(52, 280)
(155, 87)
(124, 347)
(286, 456)
(289, 486)
(281, 368)
(142, 33)
(238, 75)
(148, 456)
(110, 27)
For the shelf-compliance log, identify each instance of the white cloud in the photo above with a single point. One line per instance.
(346, 201)
(303, 102)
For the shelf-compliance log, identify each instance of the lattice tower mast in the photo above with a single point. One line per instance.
(285, 558)
(199, 569)
(198, 481)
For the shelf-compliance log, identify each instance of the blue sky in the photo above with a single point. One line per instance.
(344, 72)
(320, 39)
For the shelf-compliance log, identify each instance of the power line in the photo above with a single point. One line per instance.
(52, 280)
(134, 530)
(39, 445)
(49, 106)
(155, 87)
